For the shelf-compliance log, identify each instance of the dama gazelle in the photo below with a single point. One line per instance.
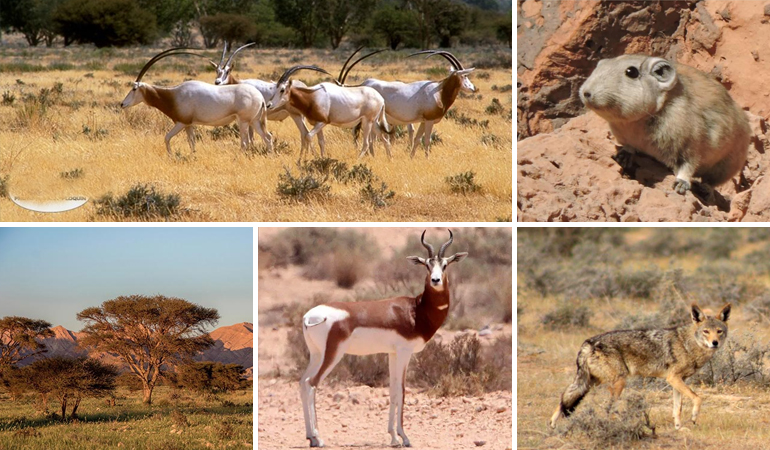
(397, 326)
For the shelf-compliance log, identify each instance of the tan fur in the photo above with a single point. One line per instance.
(690, 124)
(670, 353)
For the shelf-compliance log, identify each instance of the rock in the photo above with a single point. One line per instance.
(479, 443)
(767, 10)
(501, 409)
(338, 397)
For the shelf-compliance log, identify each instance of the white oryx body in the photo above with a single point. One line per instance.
(398, 326)
(423, 102)
(330, 104)
(198, 103)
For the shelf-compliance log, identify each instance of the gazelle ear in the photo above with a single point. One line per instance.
(697, 315)
(465, 71)
(216, 66)
(457, 257)
(416, 260)
(724, 314)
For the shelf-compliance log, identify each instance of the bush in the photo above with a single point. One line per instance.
(567, 315)
(105, 23)
(378, 197)
(630, 424)
(210, 376)
(142, 202)
(742, 360)
(302, 187)
(463, 183)
(227, 27)
(495, 107)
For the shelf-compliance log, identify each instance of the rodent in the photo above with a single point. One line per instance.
(672, 112)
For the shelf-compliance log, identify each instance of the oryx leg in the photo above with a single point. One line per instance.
(410, 129)
(302, 133)
(397, 365)
(322, 143)
(260, 124)
(366, 129)
(243, 128)
(317, 128)
(417, 138)
(179, 126)
(191, 137)
(427, 136)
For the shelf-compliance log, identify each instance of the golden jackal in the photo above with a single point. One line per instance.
(670, 353)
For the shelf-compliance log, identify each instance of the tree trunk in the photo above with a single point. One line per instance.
(74, 414)
(147, 393)
(63, 409)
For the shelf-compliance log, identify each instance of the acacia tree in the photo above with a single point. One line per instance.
(18, 338)
(69, 380)
(148, 333)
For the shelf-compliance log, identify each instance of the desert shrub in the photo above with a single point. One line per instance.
(465, 121)
(567, 315)
(360, 173)
(378, 197)
(342, 266)
(759, 309)
(142, 202)
(71, 174)
(302, 187)
(459, 368)
(225, 431)
(463, 183)
(504, 88)
(629, 424)
(742, 360)
(228, 132)
(210, 376)
(638, 283)
(371, 370)
(303, 246)
(327, 167)
(721, 281)
(758, 261)
(95, 134)
(495, 107)
(8, 98)
(491, 140)
(105, 23)
(4, 186)
(227, 27)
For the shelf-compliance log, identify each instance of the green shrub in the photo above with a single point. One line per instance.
(302, 187)
(141, 202)
(378, 197)
(72, 174)
(463, 183)
(105, 23)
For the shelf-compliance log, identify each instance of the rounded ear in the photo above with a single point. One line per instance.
(416, 260)
(663, 72)
(724, 314)
(457, 257)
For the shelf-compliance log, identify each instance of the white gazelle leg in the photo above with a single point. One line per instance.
(398, 363)
(307, 392)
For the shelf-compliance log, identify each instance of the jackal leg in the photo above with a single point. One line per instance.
(616, 388)
(677, 408)
(677, 383)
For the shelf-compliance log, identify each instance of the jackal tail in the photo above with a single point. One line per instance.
(580, 386)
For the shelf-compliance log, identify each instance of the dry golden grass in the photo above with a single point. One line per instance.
(219, 183)
(733, 417)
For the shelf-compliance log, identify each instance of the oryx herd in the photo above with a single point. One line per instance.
(373, 106)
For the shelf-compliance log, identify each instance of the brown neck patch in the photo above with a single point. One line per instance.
(302, 100)
(161, 99)
(450, 87)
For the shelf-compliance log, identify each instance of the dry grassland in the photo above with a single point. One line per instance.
(84, 132)
(733, 416)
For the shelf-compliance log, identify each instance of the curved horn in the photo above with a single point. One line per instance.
(449, 57)
(224, 52)
(163, 54)
(446, 245)
(342, 81)
(426, 245)
(339, 78)
(237, 50)
(291, 70)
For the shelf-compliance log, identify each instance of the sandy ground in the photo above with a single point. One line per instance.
(357, 416)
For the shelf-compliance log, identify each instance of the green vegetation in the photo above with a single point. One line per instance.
(142, 202)
(221, 421)
(391, 23)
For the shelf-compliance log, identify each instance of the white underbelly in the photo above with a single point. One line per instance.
(367, 341)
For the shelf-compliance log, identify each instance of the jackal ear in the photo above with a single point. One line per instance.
(697, 315)
(416, 260)
(724, 314)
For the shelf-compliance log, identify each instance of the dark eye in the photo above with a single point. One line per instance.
(632, 72)
(719, 331)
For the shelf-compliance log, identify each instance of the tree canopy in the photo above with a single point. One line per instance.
(148, 333)
(18, 338)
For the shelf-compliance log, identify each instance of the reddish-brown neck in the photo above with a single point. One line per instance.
(450, 87)
(432, 308)
(160, 98)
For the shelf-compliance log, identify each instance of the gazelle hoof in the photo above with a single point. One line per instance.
(316, 442)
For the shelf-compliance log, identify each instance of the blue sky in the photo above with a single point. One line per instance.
(54, 273)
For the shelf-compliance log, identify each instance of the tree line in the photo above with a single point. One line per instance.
(155, 337)
(268, 23)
